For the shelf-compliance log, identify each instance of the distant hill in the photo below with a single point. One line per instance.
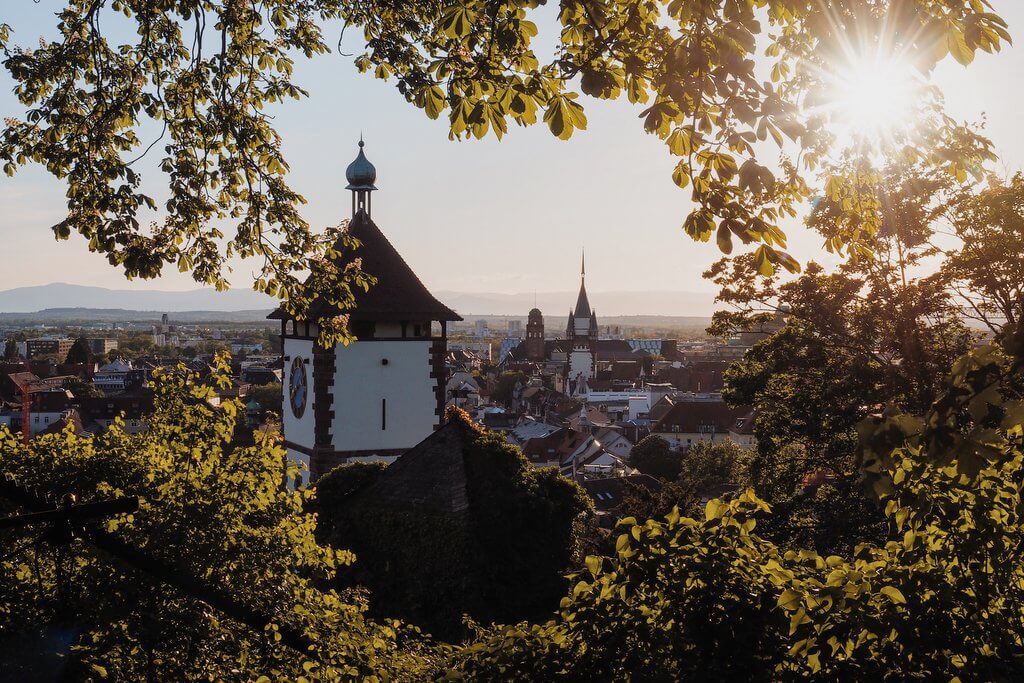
(60, 299)
(121, 315)
(59, 295)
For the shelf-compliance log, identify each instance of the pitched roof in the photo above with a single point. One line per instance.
(398, 294)
(430, 477)
(582, 309)
(698, 416)
(609, 492)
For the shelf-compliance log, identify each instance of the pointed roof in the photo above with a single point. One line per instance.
(398, 294)
(582, 304)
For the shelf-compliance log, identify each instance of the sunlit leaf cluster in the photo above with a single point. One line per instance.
(210, 512)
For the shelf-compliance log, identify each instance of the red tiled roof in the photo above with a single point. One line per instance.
(398, 294)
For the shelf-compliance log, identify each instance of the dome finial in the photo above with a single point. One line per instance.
(361, 176)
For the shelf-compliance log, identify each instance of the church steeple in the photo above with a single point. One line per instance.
(582, 303)
(361, 176)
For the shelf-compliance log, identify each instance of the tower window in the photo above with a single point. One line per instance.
(383, 414)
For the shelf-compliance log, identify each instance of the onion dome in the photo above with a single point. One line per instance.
(535, 315)
(361, 174)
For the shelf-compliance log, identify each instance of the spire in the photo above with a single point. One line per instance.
(582, 304)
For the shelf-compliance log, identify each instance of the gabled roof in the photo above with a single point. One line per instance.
(398, 294)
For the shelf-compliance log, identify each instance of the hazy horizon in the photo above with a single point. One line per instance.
(555, 304)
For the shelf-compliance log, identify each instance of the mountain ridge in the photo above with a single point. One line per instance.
(62, 296)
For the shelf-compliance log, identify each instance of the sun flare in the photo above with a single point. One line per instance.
(873, 100)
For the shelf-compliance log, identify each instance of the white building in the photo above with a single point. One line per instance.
(692, 419)
(117, 376)
(385, 392)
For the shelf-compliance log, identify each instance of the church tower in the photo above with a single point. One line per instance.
(535, 336)
(581, 333)
(384, 393)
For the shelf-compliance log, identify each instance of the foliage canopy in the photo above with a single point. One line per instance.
(208, 511)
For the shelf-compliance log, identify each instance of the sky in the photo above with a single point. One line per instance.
(475, 216)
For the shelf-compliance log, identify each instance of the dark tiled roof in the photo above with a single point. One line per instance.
(582, 309)
(134, 404)
(52, 401)
(696, 416)
(744, 424)
(398, 294)
(429, 478)
(609, 492)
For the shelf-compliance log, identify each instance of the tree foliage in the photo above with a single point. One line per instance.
(79, 351)
(939, 599)
(873, 334)
(505, 388)
(501, 558)
(10, 350)
(653, 455)
(269, 396)
(705, 470)
(208, 72)
(208, 511)
(986, 272)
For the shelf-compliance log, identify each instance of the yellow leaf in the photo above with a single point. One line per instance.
(894, 594)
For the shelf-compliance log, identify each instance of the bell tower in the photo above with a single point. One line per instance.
(535, 336)
(582, 335)
(383, 393)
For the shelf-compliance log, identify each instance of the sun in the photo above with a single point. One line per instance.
(872, 101)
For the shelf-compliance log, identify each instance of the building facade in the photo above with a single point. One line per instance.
(48, 347)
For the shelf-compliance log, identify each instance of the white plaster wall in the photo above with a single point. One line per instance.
(362, 381)
(580, 362)
(37, 421)
(298, 430)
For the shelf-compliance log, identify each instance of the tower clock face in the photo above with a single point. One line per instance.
(297, 388)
